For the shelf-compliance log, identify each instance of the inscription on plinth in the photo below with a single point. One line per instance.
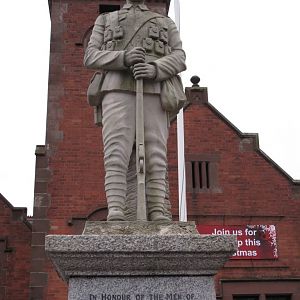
(142, 288)
(153, 296)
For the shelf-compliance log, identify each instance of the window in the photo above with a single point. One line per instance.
(202, 173)
(278, 297)
(283, 289)
(245, 297)
(106, 8)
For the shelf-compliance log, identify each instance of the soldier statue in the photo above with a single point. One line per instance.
(129, 45)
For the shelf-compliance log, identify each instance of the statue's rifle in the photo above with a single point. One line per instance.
(141, 211)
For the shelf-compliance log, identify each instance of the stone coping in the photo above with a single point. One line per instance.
(140, 227)
(139, 243)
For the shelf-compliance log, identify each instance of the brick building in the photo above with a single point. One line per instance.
(231, 183)
(15, 251)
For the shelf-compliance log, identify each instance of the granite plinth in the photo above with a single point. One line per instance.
(142, 288)
(136, 252)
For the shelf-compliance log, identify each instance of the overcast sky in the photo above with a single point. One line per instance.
(247, 52)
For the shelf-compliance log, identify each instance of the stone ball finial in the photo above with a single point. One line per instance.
(195, 81)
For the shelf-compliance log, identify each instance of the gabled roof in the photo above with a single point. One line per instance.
(257, 148)
(203, 99)
(18, 213)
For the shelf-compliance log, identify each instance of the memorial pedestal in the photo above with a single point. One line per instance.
(139, 261)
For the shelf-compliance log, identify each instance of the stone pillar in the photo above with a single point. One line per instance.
(139, 261)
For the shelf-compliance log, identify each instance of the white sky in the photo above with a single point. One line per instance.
(247, 52)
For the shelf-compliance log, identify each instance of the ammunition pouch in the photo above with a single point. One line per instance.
(172, 96)
(94, 94)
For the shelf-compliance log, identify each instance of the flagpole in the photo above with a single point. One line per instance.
(180, 144)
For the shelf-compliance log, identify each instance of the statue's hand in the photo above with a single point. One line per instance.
(134, 56)
(144, 71)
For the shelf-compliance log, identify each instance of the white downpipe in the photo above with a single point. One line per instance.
(180, 144)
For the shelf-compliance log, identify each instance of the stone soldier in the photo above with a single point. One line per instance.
(130, 44)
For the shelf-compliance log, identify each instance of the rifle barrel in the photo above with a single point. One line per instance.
(141, 212)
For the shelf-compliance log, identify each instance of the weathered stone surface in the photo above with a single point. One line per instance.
(129, 228)
(142, 288)
(139, 254)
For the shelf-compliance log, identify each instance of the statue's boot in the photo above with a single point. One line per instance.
(116, 202)
(156, 208)
(115, 214)
(158, 216)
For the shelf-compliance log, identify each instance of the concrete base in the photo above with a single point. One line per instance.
(139, 261)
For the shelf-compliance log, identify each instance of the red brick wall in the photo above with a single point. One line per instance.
(15, 252)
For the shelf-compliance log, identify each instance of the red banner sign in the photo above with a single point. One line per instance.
(254, 241)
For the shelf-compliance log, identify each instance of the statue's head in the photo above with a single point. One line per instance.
(135, 1)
